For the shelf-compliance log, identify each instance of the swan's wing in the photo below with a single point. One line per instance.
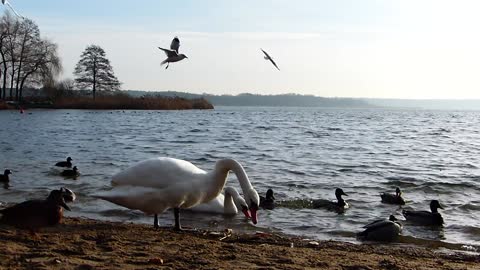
(168, 52)
(160, 173)
(214, 206)
(175, 45)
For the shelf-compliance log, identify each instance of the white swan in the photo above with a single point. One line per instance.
(158, 184)
(227, 204)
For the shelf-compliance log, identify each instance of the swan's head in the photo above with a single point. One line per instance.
(242, 205)
(392, 218)
(253, 201)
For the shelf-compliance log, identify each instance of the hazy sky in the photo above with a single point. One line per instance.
(355, 48)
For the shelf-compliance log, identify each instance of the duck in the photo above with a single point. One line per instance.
(33, 215)
(5, 179)
(268, 202)
(73, 172)
(227, 204)
(432, 218)
(157, 184)
(384, 230)
(393, 198)
(67, 163)
(339, 206)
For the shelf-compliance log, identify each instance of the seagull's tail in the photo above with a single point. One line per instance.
(164, 62)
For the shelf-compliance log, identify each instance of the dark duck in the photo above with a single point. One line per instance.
(432, 218)
(71, 173)
(393, 198)
(339, 206)
(35, 214)
(67, 164)
(4, 178)
(268, 202)
(384, 230)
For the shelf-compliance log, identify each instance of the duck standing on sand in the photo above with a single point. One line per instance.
(393, 198)
(67, 163)
(268, 202)
(4, 178)
(71, 173)
(339, 206)
(35, 214)
(433, 218)
(384, 230)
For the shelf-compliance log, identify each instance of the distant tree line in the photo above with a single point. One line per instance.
(26, 59)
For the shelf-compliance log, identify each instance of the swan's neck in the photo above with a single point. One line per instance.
(229, 204)
(226, 165)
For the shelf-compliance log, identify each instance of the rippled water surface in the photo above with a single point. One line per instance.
(300, 153)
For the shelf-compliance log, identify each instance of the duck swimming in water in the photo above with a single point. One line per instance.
(268, 202)
(384, 230)
(393, 198)
(339, 206)
(5, 179)
(35, 214)
(433, 218)
(69, 173)
(67, 163)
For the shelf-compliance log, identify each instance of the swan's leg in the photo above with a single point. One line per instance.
(176, 213)
(155, 222)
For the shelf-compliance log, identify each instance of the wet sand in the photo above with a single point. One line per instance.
(90, 244)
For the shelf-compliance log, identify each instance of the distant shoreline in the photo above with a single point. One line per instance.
(119, 102)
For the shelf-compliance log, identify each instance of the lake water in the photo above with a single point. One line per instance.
(301, 153)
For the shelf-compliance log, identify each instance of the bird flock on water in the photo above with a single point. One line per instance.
(156, 185)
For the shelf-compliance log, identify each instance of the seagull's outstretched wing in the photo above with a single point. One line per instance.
(175, 45)
(267, 57)
(5, 2)
(169, 53)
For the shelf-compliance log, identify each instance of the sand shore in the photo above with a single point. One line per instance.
(90, 244)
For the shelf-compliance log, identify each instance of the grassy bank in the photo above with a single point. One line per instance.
(114, 102)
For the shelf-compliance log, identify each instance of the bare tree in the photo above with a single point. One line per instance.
(94, 70)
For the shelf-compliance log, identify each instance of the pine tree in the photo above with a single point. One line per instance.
(94, 71)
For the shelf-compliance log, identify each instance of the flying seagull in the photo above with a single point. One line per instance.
(5, 2)
(172, 54)
(267, 57)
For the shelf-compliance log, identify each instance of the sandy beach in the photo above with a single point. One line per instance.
(89, 244)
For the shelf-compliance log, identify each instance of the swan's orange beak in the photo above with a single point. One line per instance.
(246, 212)
(253, 213)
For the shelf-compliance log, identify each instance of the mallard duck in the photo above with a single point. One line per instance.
(268, 202)
(73, 172)
(67, 163)
(384, 230)
(35, 214)
(433, 218)
(339, 206)
(393, 198)
(4, 178)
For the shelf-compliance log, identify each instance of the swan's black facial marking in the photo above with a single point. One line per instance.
(253, 211)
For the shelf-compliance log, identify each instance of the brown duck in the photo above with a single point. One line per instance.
(35, 214)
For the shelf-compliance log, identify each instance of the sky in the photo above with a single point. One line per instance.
(413, 49)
